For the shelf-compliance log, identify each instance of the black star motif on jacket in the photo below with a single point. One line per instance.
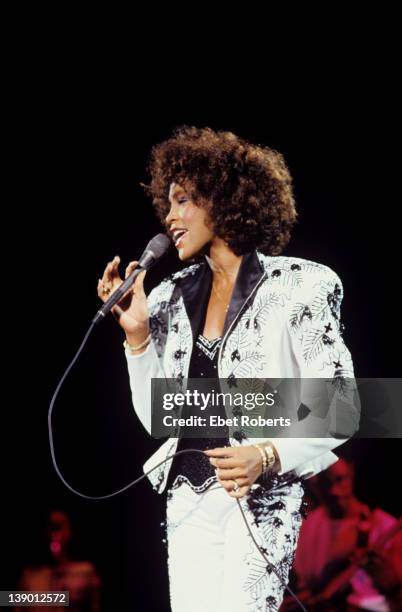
(235, 355)
(271, 600)
(333, 299)
(306, 313)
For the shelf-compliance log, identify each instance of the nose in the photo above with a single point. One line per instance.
(171, 216)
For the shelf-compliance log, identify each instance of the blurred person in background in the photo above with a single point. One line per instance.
(63, 573)
(349, 557)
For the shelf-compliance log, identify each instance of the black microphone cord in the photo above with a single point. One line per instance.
(137, 480)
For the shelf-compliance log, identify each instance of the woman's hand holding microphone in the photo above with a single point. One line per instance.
(131, 311)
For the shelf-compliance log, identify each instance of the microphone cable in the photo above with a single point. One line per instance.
(270, 566)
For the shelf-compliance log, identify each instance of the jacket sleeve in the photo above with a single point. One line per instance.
(142, 368)
(315, 331)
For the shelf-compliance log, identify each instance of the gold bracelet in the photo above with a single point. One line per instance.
(132, 348)
(270, 455)
(263, 457)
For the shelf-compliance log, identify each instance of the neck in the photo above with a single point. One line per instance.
(223, 263)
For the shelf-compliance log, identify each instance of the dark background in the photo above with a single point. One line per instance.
(83, 140)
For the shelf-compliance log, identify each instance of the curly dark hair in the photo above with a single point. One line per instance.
(246, 188)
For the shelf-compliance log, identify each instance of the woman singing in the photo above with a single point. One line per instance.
(239, 310)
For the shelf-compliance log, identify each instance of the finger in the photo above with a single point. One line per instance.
(139, 284)
(131, 266)
(117, 312)
(99, 288)
(230, 462)
(101, 293)
(240, 493)
(233, 474)
(115, 267)
(226, 451)
(106, 278)
(228, 486)
(109, 272)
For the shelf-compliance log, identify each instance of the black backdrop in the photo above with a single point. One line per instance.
(84, 151)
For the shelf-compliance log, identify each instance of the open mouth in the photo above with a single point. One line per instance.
(178, 236)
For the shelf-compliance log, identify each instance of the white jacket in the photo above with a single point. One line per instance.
(283, 322)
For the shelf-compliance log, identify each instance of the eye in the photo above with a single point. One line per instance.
(182, 200)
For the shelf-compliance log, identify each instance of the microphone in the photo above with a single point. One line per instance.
(155, 250)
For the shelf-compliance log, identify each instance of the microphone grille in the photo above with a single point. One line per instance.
(159, 244)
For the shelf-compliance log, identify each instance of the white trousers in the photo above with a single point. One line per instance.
(213, 563)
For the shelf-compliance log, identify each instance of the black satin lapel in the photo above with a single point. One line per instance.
(249, 274)
(196, 289)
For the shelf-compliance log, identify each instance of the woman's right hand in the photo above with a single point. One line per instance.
(131, 311)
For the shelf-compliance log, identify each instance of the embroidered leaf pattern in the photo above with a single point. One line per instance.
(249, 364)
(262, 309)
(313, 345)
(320, 301)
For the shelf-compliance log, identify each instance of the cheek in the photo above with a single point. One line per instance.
(194, 216)
(188, 214)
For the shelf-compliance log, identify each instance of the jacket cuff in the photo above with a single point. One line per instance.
(295, 452)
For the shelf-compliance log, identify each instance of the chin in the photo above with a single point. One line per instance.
(189, 258)
(183, 254)
(190, 255)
